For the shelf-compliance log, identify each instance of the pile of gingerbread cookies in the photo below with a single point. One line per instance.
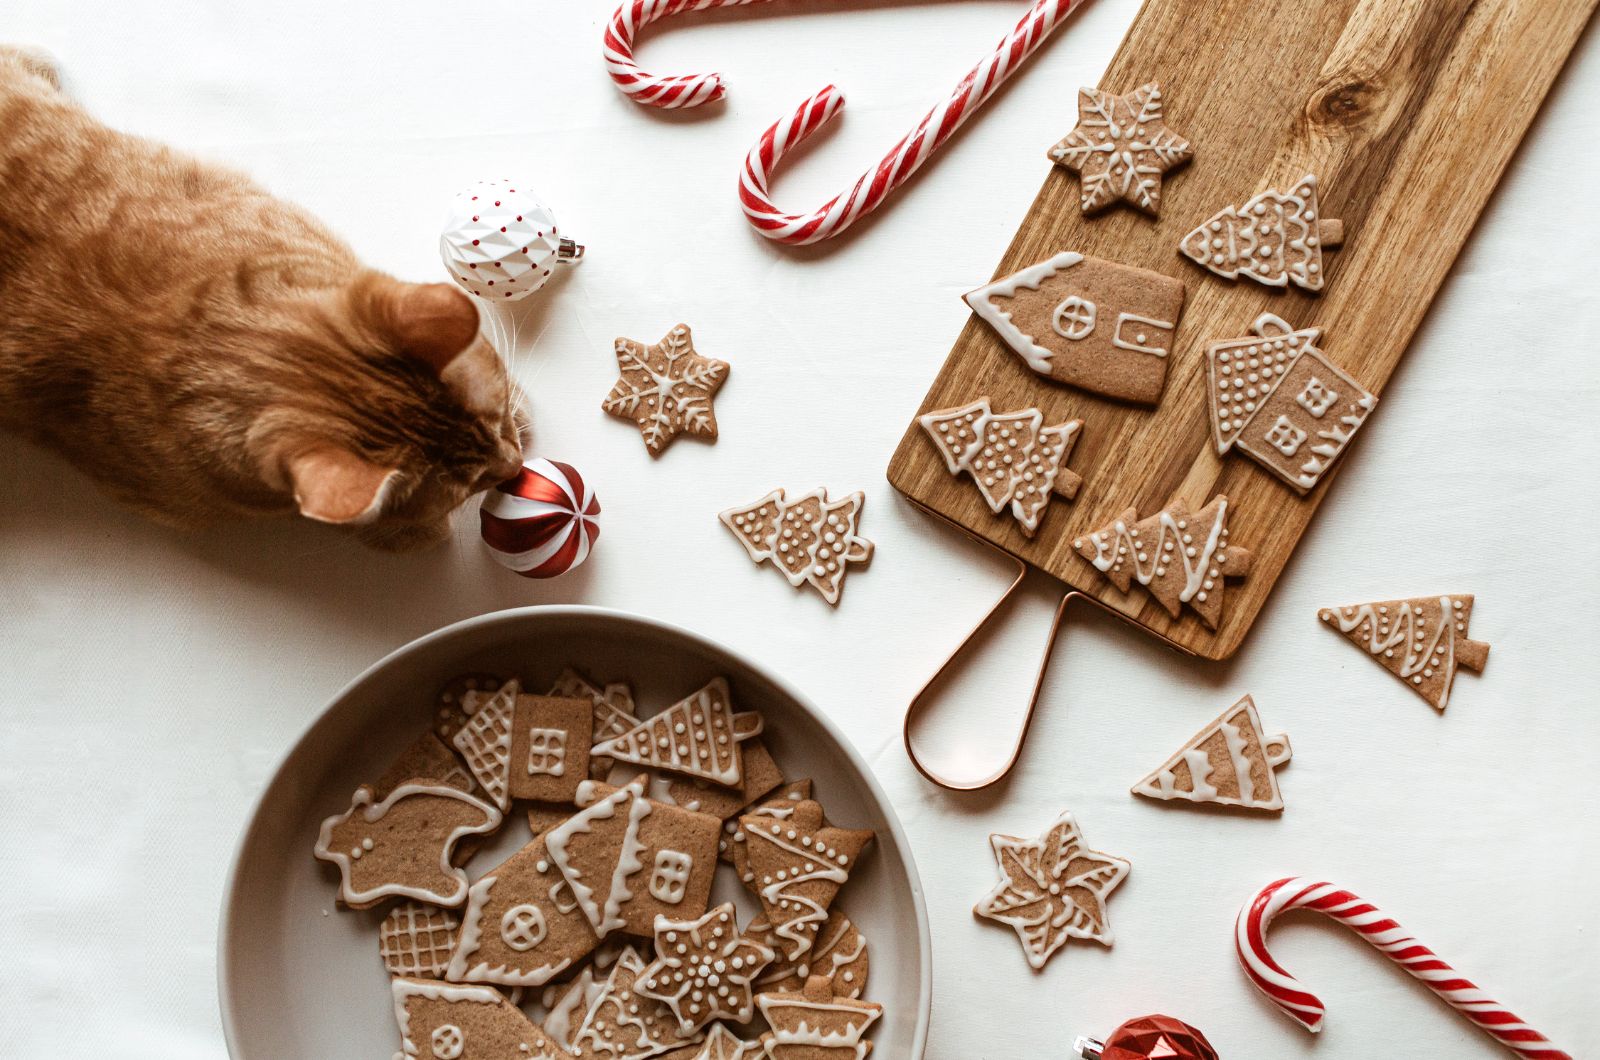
(608, 907)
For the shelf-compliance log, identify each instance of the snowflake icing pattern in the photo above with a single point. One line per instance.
(666, 389)
(1120, 148)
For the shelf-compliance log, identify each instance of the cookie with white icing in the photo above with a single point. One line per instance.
(1120, 148)
(810, 539)
(416, 939)
(1274, 238)
(614, 711)
(623, 1024)
(839, 954)
(816, 1024)
(1231, 762)
(1098, 325)
(799, 868)
(1014, 458)
(440, 1021)
(1423, 641)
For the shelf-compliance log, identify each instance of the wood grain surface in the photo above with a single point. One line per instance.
(1406, 110)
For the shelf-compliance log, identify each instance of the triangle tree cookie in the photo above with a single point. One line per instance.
(1012, 457)
(1230, 762)
(1421, 640)
(1275, 239)
(698, 736)
(798, 869)
(1179, 556)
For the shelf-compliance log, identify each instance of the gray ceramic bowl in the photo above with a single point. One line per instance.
(300, 978)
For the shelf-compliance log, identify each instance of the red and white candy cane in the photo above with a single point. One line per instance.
(873, 186)
(1366, 920)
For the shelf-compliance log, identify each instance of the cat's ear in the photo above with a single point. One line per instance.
(438, 325)
(335, 486)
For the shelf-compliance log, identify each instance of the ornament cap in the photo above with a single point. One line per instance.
(569, 252)
(1088, 1048)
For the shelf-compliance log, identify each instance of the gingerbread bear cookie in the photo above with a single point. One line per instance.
(704, 969)
(1230, 762)
(1013, 457)
(1120, 148)
(666, 389)
(1422, 640)
(522, 925)
(816, 1023)
(1093, 324)
(798, 868)
(439, 1021)
(1275, 239)
(697, 736)
(629, 858)
(1179, 556)
(402, 847)
(810, 539)
(1051, 889)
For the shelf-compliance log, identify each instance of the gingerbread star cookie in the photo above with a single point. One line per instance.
(1120, 148)
(1051, 889)
(666, 389)
(704, 969)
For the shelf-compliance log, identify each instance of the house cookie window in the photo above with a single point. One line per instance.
(670, 880)
(1285, 436)
(547, 752)
(1074, 318)
(523, 927)
(1316, 398)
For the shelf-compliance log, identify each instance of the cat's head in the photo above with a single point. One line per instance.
(403, 412)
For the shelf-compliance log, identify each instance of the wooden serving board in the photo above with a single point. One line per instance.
(1407, 111)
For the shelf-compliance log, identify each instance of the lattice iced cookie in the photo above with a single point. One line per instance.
(810, 539)
(704, 969)
(402, 847)
(416, 939)
(629, 858)
(458, 694)
(1089, 323)
(1230, 762)
(1422, 640)
(1013, 458)
(1051, 889)
(1275, 239)
(1280, 399)
(439, 1021)
(1179, 556)
(816, 1024)
(522, 925)
(799, 868)
(666, 389)
(1120, 148)
(697, 736)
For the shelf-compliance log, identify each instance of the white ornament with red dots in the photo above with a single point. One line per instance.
(501, 243)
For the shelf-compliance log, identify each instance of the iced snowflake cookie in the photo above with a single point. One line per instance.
(402, 846)
(416, 939)
(1051, 889)
(666, 389)
(629, 858)
(816, 1024)
(443, 1022)
(1275, 239)
(522, 925)
(799, 867)
(1013, 457)
(528, 747)
(1230, 762)
(1120, 148)
(704, 969)
(697, 736)
(1280, 399)
(810, 539)
(1422, 640)
(1179, 556)
(1089, 323)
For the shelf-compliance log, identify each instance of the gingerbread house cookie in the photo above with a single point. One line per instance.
(529, 747)
(440, 1021)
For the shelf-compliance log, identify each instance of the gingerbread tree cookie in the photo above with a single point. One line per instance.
(815, 1024)
(402, 847)
(761, 776)
(1230, 762)
(799, 868)
(1088, 323)
(1421, 640)
(734, 847)
(1275, 239)
(522, 925)
(666, 389)
(704, 969)
(439, 1021)
(416, 939)
(839, 954)
(623, 1024)
(1012, 457)
(1120, 148)
(811, 539)
(1179, 556)
(630, 859)
(697, 736)
(1052, 889)
(1283, 401)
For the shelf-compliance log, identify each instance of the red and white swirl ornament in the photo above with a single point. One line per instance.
(543, 522)
(1390, 939)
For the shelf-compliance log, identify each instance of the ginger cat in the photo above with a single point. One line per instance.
(203, 350)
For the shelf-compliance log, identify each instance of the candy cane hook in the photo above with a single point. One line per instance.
(1391, 940)
(873, 186)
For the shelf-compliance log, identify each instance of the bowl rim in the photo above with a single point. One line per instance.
(231, 894)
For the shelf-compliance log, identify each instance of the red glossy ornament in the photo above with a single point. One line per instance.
(1150, 1038)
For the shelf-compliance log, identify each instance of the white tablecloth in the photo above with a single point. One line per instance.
(153, 680)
